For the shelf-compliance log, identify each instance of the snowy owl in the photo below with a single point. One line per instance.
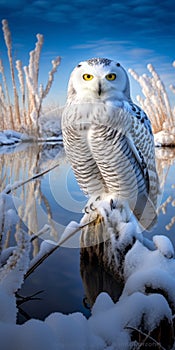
(108, 139)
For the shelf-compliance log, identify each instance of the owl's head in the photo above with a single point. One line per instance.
(99, 79)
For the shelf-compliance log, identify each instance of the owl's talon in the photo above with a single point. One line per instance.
(112, 205)
(92, 207)
(86, 210)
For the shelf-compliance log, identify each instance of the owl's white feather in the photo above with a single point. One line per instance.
(108, 139)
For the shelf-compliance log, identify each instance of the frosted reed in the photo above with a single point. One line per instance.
(155, 101)
(22, 89)
(5, 99)
(8, 41)
(23, 111)
(172, 87)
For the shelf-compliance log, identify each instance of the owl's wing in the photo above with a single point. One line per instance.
(141, 141)
(123, 149)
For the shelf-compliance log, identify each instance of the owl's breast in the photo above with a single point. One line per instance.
(82, 115)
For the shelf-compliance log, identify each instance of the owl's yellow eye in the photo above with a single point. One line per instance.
(88, 76)
(111, 76)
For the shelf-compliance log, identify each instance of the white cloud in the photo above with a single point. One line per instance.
(123, 50)
(141, 52)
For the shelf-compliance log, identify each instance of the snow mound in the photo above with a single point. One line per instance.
(164, 138)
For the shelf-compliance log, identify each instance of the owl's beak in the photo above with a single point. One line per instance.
(99, 88)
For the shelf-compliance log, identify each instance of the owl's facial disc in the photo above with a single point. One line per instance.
(100, 79)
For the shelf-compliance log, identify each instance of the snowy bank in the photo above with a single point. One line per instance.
(51, 132)
(11, 137)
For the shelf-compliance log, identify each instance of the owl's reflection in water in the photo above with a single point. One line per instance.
(96, 279)
(100, 270)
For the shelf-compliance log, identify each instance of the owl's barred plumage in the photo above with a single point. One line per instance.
(108, 139)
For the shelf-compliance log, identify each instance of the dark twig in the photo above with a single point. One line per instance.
(34, 177)
(23, 300)
(147, 336)
(24, 314)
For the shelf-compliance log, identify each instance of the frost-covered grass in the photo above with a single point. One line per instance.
(155, 102)
(23, 111)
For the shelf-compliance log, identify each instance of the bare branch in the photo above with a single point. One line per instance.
(147, 336)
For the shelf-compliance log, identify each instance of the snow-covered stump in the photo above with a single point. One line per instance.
(110, 237)
(142, 270)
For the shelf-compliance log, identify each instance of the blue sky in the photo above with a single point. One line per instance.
(133, 32)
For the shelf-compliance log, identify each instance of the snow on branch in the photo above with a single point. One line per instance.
(48, 247)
